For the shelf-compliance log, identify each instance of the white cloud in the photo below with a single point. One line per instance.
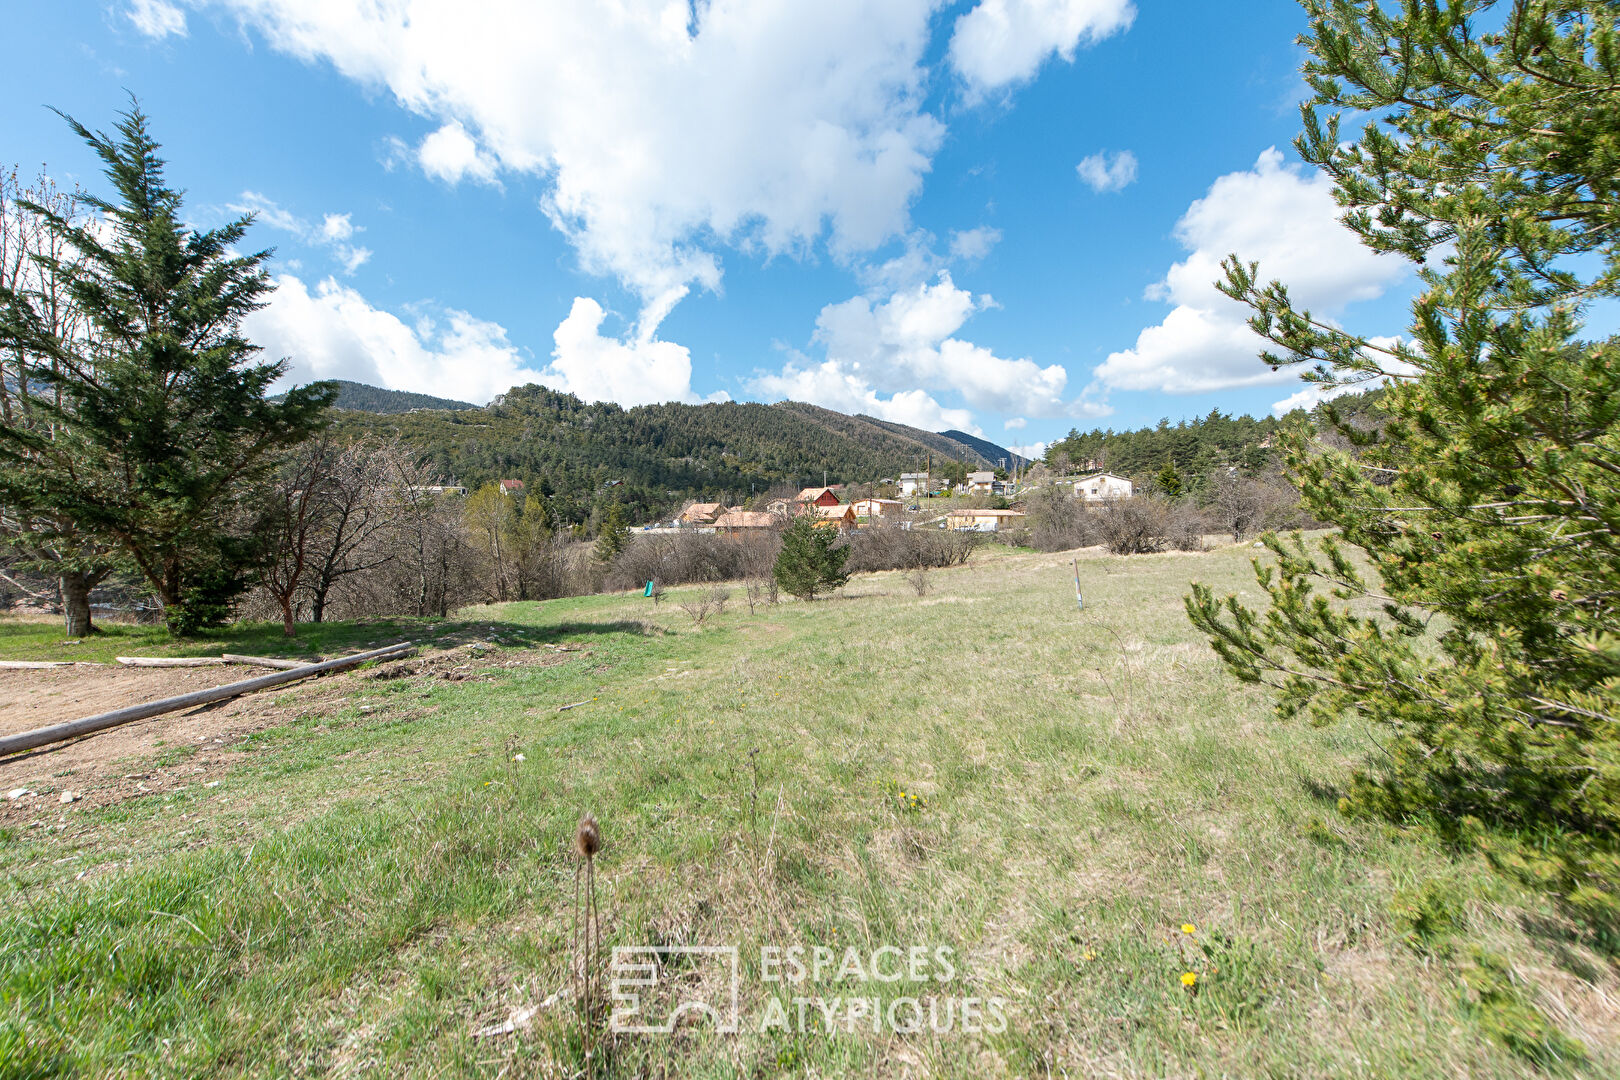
(636, 370)
(1034, 451)
(1286, 219)
(971, 245)
(909, 341)
(1004, 42)
(332, 332)
(1105, 172)
(905, 345)
(451, 154)
(334, 232)
(157, 18)
(336, 228)
(833, 386)
(1017, 423)
(662, 130)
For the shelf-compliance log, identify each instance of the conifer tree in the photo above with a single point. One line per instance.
(1477, 628)
(811, 560)
(161, 432)
(1169, 480)
(613, 535)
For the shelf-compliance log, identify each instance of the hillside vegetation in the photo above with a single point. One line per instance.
(1080, 804)
(655, 455)
(374, 399)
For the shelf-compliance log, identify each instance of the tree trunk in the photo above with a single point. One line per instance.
(287, 615)
(76, 604)
(317, 607)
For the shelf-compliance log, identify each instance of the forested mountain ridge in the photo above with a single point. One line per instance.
(994, 455)
(374, 399)
(650, 458)
(1194, 447)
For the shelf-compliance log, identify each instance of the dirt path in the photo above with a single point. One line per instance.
(176, 749)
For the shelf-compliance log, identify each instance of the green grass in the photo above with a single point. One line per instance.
(375, 882)
(41, 639)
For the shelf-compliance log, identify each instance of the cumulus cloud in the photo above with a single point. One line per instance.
(971, 245)
(157, 18)
(1286, 219)
(905, 345)
(1105, 172)
(333, 233)
(1001, 43)
(1017, 423)
(638, 369)
(333, 332)
(450, 154)
(662, 130)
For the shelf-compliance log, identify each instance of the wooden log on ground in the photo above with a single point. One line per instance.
(266, 661)
(169, 661)
(28, 740)
(35, 664)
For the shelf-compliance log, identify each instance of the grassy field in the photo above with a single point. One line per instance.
(1080, 805)
(40, 638)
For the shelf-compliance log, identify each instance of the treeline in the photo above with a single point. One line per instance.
(1197, 449)
(374, 399)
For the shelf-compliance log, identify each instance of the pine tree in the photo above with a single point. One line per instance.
(613, 535)
(161, 429)
(1169, 480)
(1487, 508)
(811, 560)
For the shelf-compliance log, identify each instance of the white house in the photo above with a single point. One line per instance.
(1103, 486)
(978, 482)
(876, 508)
(913, 483)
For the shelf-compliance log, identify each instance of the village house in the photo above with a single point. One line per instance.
(873, 509)
(915, 483)
(700, 514)
(837, 517)
(735, 521)
(818, 496)
(1104, 486)
(511, 487)
(983, 520)
(981, 482)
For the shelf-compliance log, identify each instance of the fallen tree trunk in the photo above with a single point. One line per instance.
(169, 661)
(28, 740)
(30, 664)
(265, 661)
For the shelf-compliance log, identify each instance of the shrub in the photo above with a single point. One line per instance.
(889, 547)
(811, 560)
(1146, 524)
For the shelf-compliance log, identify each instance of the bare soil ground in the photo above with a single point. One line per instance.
(195, 746)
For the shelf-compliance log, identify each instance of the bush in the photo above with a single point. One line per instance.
(811, 560)
(1060, 522)
(1147, 524)
(693, 557)
(889, 547)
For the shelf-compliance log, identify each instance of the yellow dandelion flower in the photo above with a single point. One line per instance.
(1189, 978)
(1188, 928)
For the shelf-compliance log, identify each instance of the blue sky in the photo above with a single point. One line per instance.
(1002, 215)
